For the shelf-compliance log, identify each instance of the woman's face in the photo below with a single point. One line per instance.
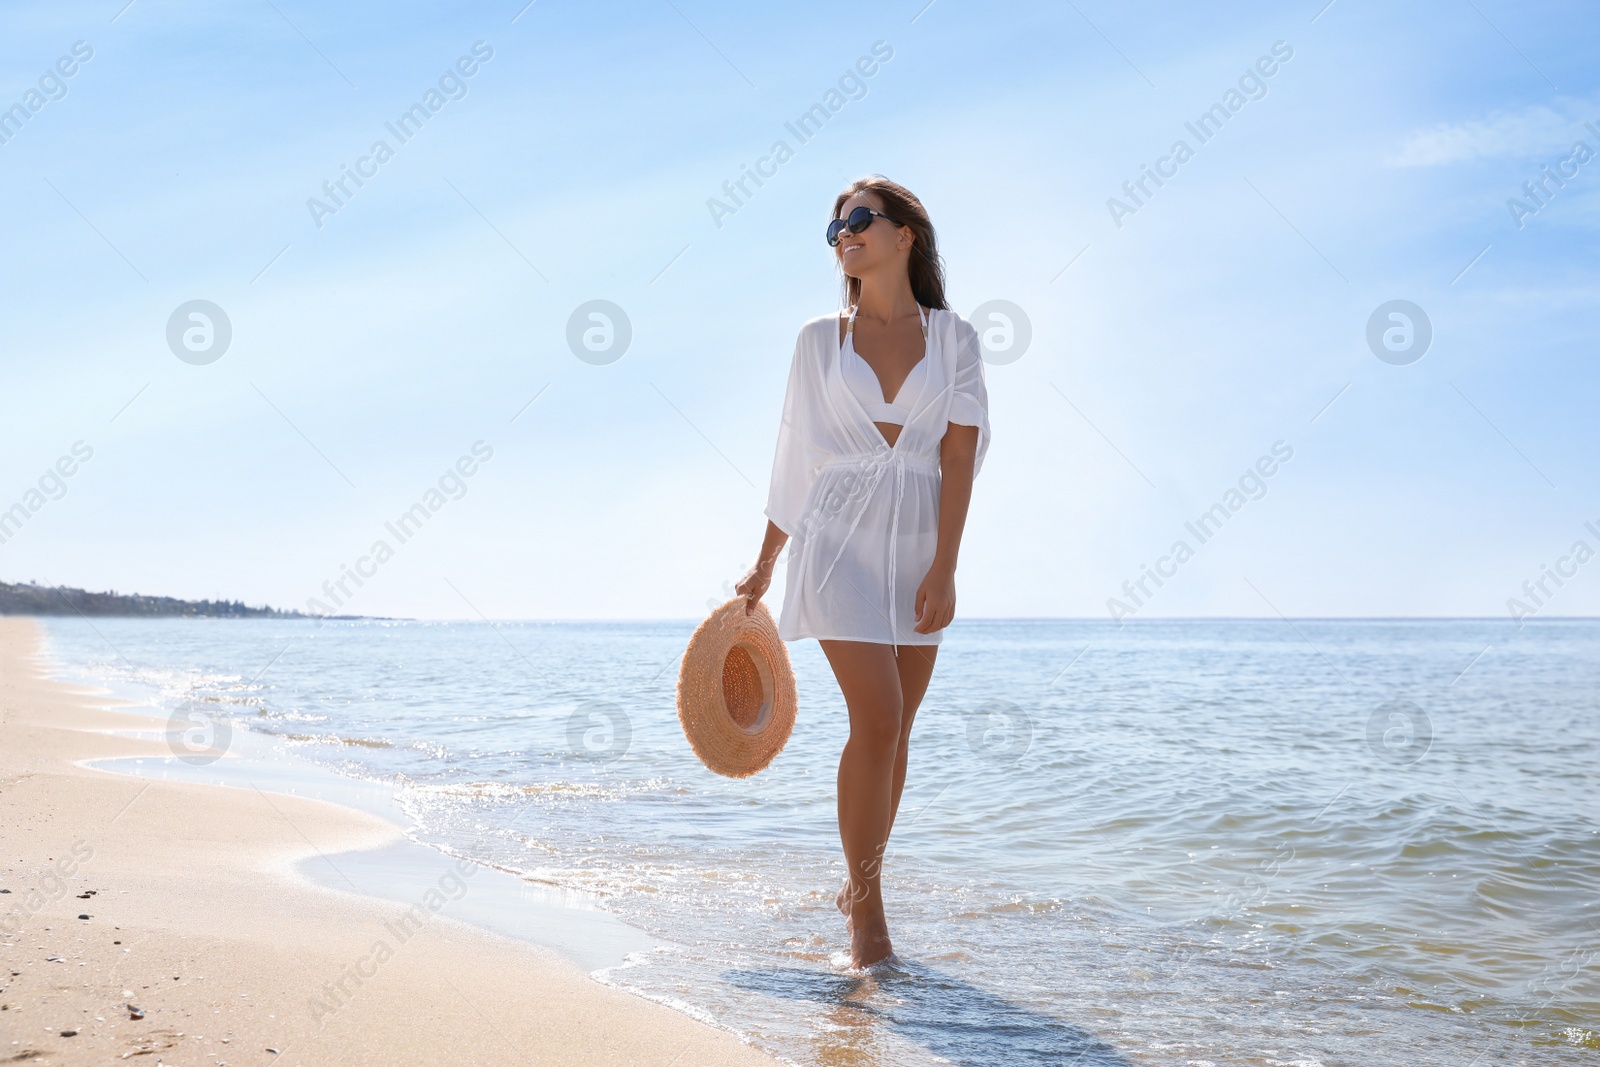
(880, 244)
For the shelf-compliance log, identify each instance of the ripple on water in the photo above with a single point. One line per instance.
(1199, 857)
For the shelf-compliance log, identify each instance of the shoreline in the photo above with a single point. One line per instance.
(210, 939)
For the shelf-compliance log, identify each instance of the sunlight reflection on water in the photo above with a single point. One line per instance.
(1242, 841)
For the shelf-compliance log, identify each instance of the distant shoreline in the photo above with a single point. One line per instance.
(32, 599)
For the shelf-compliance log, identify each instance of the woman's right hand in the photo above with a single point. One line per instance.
(754, 584)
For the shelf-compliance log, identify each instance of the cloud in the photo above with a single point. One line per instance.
(1532, 131)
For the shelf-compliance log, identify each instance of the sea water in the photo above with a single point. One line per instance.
(1203, 842)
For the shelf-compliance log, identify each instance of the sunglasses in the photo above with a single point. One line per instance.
(858, 220)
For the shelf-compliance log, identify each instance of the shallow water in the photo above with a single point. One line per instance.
(1244, 842)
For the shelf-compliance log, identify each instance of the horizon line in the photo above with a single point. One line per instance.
(983, 618)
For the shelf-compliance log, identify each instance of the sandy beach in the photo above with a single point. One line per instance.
(149, 918)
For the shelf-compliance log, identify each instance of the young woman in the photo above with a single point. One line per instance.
(885, 424)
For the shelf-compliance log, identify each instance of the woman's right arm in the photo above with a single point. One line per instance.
(755, 583)
(791, 477)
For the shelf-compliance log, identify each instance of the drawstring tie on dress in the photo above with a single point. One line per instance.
(875, 469)
(894, 551)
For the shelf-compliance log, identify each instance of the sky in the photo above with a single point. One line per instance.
(1187, 336)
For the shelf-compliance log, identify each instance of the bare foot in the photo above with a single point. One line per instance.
(869, 943)
(869, 931)
(842, 902)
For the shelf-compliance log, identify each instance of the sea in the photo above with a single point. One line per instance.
(1275, 842)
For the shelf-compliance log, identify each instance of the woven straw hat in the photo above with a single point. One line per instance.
(736, 696)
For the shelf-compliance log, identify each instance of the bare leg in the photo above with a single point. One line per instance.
(914, 665)
(870, 682)
(875, 681)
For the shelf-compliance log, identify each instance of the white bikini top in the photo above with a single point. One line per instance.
(863, 382)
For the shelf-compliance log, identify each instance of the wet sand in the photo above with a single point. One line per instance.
(203, 945)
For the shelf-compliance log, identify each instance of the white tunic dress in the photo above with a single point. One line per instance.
(862, 516)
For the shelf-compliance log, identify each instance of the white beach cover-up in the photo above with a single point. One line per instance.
(862, 516)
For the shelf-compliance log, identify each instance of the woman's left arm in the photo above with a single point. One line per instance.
(936, 596)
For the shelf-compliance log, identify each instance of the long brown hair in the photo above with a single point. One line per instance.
(901, 205)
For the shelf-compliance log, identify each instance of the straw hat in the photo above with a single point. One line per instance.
(736, 696)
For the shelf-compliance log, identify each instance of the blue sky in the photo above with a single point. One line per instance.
(1222, 317)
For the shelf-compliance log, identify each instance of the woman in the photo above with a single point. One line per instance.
(885, 424)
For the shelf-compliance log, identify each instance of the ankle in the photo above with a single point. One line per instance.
(868, 914)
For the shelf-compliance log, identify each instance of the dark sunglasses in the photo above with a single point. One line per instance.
(858, 220)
